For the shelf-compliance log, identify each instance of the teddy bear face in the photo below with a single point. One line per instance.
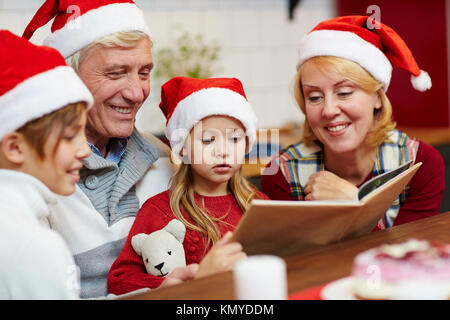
(161, 253)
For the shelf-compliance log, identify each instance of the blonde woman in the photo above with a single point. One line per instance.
(211, 125)
(348, 135)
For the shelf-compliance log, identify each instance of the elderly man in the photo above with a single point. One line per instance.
(108, 44)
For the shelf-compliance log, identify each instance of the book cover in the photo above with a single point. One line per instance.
(285, 227)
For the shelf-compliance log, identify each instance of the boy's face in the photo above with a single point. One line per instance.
(60, 168)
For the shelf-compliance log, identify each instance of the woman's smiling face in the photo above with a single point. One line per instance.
(339, 112)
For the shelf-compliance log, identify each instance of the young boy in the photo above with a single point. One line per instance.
(43, 107)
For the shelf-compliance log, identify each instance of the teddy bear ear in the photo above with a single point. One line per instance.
(177, 229)
(136, 242)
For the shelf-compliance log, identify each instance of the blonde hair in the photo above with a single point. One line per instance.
(182, 196)
(37, 131)
(354, 72)
(122, 39)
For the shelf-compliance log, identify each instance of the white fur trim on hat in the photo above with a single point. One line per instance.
(39, 95)
(96, 24)
(422, 82)
(205, 103)
(349, 46)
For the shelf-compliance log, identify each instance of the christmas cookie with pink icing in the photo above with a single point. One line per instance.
(416, 269)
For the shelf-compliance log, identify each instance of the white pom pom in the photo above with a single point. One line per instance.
(422, 82)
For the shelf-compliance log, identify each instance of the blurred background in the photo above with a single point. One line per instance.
(257, 42)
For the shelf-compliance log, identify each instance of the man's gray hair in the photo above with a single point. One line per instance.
(122, 39)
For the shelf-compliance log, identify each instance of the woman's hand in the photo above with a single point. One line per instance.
(325, 185)
(222, 257)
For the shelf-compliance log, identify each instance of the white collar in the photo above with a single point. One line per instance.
(24, 190)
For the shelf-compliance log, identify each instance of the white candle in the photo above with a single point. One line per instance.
(260, 277)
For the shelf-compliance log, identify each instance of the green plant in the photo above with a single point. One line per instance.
(190, 57)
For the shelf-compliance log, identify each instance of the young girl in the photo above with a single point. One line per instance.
(42, 143)
(348, 135)
(211, 126)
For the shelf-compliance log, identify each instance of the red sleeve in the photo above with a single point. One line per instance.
(128, 272)
(274, 184)
(426, 187)
(262, 196)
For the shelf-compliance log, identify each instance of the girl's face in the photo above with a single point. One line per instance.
(339, 112)
(216, 151)
(60, 168)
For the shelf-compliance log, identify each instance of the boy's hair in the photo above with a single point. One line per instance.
(37, 131)
(354, 72)
(182, 196)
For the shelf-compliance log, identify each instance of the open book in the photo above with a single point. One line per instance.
(285, 227)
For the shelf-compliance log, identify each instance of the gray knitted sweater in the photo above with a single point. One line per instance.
(111, 187)
(95, 221)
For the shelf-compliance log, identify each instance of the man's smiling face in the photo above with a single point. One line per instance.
(119, 80)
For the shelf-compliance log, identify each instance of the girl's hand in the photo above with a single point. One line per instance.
(325, 185)
(180, 275)
(222, 257)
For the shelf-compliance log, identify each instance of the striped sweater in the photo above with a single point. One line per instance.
(96, 219)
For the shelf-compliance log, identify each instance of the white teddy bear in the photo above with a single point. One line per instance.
(162, 250)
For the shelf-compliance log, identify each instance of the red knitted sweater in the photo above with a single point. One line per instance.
(128, 272)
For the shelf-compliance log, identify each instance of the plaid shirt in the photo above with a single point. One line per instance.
(299, 161)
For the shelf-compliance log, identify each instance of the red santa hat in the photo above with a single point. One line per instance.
(185, 101)
(80, 22)
(368, 42)
(34, 81)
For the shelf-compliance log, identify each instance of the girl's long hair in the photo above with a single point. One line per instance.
(182, 196)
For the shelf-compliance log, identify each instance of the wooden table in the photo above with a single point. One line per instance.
(312, 267)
